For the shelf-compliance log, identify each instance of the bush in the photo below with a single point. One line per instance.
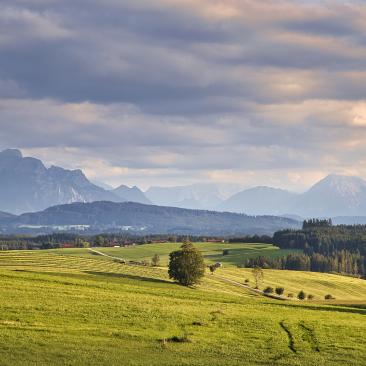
(247, 281)
(310, 297)
(280, 291)
(329, 297)
(225, 252)
(268, 290)
(155, 260)
(290, 295)
(186, 265)
(301, 295)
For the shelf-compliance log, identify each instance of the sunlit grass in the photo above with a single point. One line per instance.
(66, 309)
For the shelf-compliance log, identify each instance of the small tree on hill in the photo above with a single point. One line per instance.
(258, 276)
(280, 291)
(186, 265)
(155, 260)
(301, 295)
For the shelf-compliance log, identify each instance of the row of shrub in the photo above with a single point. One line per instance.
(281, 290)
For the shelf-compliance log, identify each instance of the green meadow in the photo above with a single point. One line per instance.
(212, 252)
(72, 307)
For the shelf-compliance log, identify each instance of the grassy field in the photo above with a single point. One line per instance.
(72, 308)
(211, 251)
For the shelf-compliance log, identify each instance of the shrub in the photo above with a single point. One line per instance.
(247, 281)
(268, 290)
(290, 295)
(310, 297)
(155, 260)
(182, 339)
(301, 295)
(186, 265)
(280, 291)
(225, 252)
(329, 297)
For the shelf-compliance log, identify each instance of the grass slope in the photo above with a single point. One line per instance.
(64, 309)
(211, 251)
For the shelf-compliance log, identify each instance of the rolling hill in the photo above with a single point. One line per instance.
(104, 313)
(140, 218)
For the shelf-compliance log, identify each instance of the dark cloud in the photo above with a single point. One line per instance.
(184, 86)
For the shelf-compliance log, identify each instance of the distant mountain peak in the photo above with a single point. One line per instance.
(342, 184)
(131, 194)
(11, 153)
(27, 185)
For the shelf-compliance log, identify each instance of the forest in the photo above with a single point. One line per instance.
(325, 248)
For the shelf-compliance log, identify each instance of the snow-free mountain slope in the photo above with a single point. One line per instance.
(27, 185)
(260, 201)
(133, 194)
(335, 195)
(195, 196)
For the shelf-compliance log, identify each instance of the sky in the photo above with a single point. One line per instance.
(173, 92)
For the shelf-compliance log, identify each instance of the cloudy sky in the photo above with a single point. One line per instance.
(166, 92)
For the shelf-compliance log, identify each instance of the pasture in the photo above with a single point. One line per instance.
(212, 252)
(74, 308)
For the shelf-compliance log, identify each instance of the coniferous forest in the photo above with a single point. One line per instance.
(325, 248)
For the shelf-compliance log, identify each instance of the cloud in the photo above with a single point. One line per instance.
(186, 90)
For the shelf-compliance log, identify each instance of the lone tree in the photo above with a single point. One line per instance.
(280, 291)
(301, 295)
(258, 276)
(186, 265)
(155, 260)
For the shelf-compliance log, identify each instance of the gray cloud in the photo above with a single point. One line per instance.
(169, 88)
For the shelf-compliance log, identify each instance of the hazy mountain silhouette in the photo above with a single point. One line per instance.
(27, 185)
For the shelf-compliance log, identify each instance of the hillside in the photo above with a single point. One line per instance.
(105, 313)
(135, 217)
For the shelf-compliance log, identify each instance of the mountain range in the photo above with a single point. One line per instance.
(204, 196)
(26, 185)
(333, 196)
(104, 216)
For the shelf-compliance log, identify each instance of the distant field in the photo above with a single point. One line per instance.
(72, 308)
(212, 252)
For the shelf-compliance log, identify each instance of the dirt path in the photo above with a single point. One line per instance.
(104, 255)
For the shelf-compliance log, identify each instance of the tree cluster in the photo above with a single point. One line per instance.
(340, 262)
